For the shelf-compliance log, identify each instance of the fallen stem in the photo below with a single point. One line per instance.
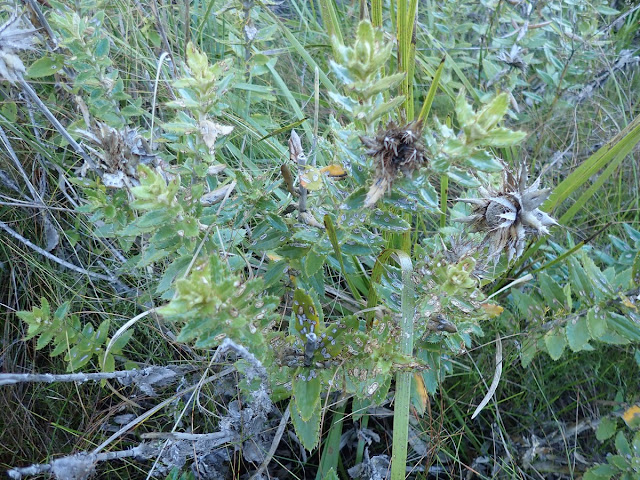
(54, 121)
(53, 258)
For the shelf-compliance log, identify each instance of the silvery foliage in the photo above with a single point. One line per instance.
(16, 34)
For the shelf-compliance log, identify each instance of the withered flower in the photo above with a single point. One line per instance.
(119, 153)
(509, 215)
(513, 58)
(394, 149)
(15, 34)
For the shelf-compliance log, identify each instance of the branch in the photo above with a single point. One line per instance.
(41, 251)
(80, 465)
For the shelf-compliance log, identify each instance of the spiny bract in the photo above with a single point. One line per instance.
(511, 214)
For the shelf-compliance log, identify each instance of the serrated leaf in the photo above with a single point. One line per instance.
(528, 351)
(306, 313)
(176, 268)
(601, 472)
(44, 338)
(578, 333)
(313, 262)
(597, 323)
(606, 429)
(635, 270)
(502, 137)
(306, 392)
(307, 432)
(484, 161)
(555, 341)
(385, 107)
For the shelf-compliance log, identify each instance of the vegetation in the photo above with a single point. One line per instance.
(255, 241)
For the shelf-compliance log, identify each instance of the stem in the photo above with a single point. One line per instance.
(403, 378)
(52, 257)
(54, 121)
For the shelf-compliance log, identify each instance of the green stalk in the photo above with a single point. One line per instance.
(406, 51)
(330, 19)
(331, 450)
(403, 379)
(333, 238)
(426, 107)
(444, 193)
(376, 13)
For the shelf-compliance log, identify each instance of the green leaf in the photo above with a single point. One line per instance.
(307, 432)
(635, 271)
(385, 107)
(578, 333)
(606, 429)
(528, 351)
(388, 221)
(597, 323)
(274, 273)
(306, 392)
(555, 342)
(601, 472)
(313, 262)
(622, 444)
(44, 338)
(102, 47)
(551, 291)
(624, 326)
(331, 475)
(177, 267)
(492, 113)
(45, 66)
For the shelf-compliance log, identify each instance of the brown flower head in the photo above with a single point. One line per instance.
(509, 215)
(396, 149)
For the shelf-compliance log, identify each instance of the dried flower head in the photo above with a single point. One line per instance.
(510, 214)
(15, 34)
(120, 152)
(513, 58)
(394, 149)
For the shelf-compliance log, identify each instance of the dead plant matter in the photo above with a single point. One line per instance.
(395, 149)
(511, 214)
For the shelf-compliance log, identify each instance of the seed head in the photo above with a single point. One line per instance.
(509, 215)
(396, 149)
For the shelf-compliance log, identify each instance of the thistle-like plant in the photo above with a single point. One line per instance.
(509, 215)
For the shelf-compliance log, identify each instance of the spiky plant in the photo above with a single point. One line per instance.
(509, 215)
